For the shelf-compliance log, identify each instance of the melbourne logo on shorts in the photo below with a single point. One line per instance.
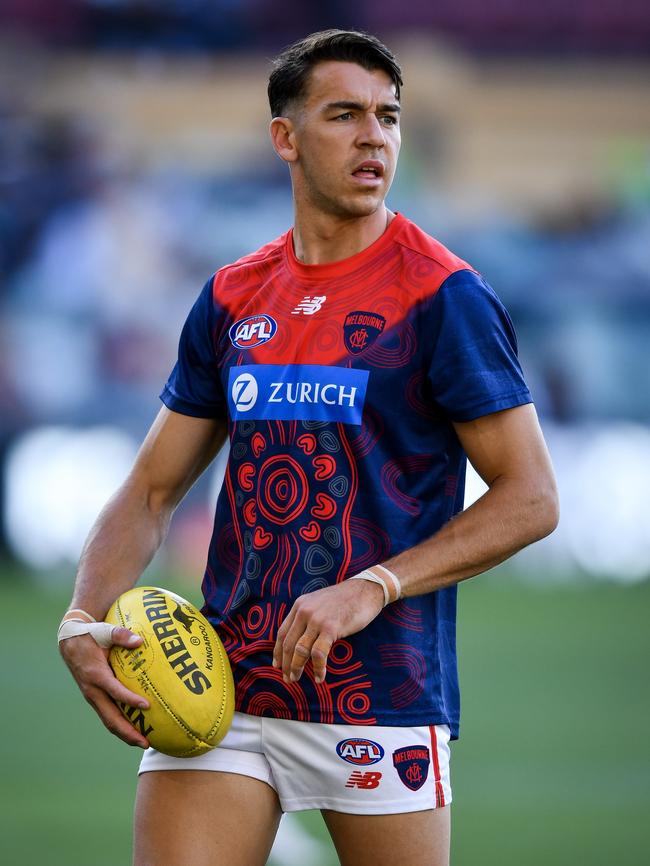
(412, 765)
(252, 331)
(361, 329)
(357, 751)
(297, 392)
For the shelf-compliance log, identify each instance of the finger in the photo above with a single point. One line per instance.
(301, 654)
(95, 672)
(319, 654)
(279, 641)
(109, 683)
(114, 721)
(103, 633)
(294, 635)
(124, 637)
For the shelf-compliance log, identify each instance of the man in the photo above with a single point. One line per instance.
(354, 362)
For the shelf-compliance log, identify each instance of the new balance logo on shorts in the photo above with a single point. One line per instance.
(366, 781)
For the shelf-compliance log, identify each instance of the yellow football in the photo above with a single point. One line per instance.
(181, 668)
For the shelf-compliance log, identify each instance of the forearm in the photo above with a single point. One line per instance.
(505, 519)
(120, 545)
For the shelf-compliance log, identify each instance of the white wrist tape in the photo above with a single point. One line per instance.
(373, 577)
(73, 626)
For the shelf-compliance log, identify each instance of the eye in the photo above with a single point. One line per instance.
(345, 116)
(389, 119)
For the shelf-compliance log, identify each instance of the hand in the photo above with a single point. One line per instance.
(317, 619)
(89, 666)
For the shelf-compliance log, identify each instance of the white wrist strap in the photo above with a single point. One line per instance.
(397, 586)
(73, 625)
(371, 576)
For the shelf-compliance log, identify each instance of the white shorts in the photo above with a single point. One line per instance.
(361, 770)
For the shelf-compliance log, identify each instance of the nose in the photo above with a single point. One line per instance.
(371, 133)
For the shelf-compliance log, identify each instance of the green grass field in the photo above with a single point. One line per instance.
(552, 769)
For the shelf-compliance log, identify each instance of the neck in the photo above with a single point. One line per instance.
(324, 238)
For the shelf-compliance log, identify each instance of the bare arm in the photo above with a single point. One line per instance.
(508, 451)
(520, 506)
(123, 541)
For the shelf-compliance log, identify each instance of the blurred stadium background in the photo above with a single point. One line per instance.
(134, 161)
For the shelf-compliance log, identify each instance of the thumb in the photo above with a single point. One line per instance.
(124, 637)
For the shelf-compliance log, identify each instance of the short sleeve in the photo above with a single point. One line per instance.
(474, 369)
(194, 386)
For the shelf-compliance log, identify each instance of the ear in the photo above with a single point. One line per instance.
(283, 138)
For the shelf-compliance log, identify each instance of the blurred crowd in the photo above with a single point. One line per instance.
(100, 264)
(503, 25)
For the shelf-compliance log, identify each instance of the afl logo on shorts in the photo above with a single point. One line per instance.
(244, 392)
(361, 752)
(252, 331)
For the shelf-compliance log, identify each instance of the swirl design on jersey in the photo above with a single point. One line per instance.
(345, 696)
(414, 663)
(405, 615)
(371, 544)
(396, 346)
(372, 428)
(291, 499)
(418, 271)
(393, 470)
(418, 396)
(282, 489)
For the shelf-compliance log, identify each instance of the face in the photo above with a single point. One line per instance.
(346, 138)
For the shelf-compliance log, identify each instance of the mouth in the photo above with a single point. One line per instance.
(370, 171)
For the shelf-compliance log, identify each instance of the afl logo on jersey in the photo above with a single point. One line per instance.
(252, 331)
(244, 392)
(360, 752)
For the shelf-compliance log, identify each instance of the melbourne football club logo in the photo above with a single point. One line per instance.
(359, 751)
(361, 329)
(252, 331)
(412, 765)
(244, 392)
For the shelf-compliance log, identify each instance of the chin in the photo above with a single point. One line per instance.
(360, 207)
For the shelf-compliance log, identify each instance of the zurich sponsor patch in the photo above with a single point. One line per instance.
(359, 751)
(412, 765)
(296, 392)
(252, 331)
(361, 329)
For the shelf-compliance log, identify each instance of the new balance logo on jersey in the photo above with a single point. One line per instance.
(309, 305)
(366, 781)
(252, 331)
(289, 392)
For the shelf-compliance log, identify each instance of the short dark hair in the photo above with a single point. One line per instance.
(291, 68)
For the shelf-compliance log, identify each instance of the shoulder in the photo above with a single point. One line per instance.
(441, 261)
(248, 269)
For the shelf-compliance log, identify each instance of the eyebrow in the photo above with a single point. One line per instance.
(357, 106)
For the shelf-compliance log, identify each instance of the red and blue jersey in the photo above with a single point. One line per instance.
(340, 384)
